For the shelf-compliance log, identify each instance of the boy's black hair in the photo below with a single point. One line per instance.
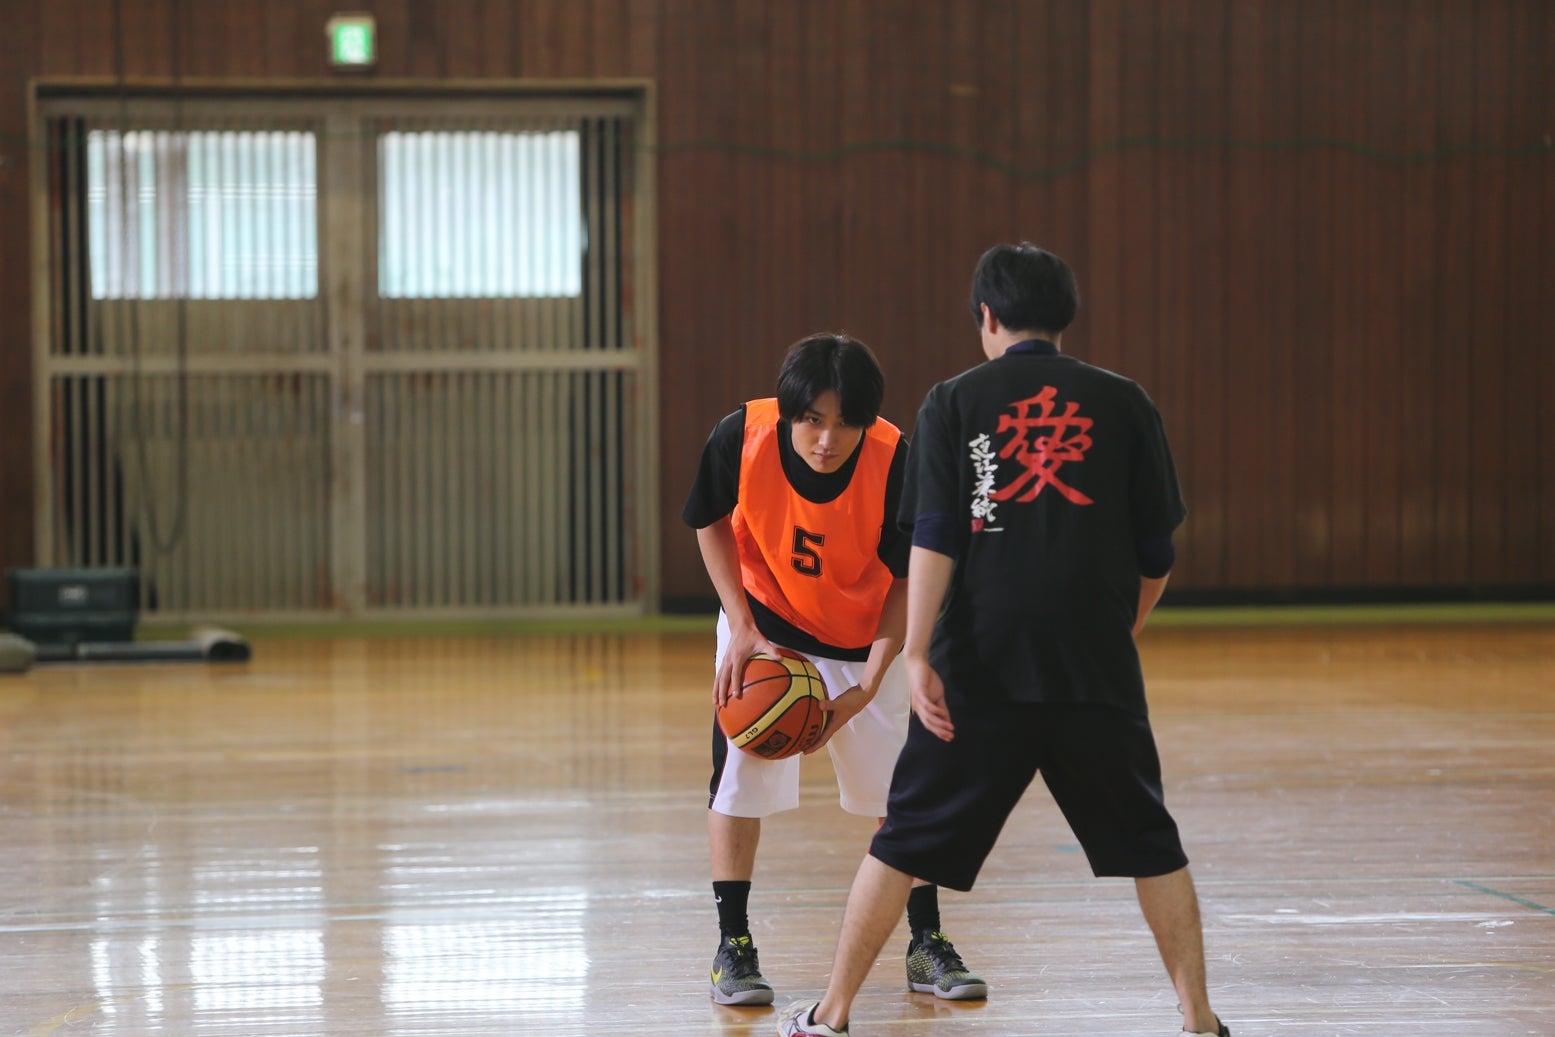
(826, 361)
(1027, 288)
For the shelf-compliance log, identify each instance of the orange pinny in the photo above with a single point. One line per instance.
(816, 565)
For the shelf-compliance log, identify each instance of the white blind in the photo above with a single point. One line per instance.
(202, 215)
(480, 215)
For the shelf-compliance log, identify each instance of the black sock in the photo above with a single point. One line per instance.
(732, 899)
(923, 911)
(809, 1019)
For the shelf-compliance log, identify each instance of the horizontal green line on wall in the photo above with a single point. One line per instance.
(696, 616)
(332, 629)
(1294, 615)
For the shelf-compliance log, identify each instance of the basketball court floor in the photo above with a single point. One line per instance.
(386, 836)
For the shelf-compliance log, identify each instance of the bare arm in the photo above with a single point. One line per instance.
(1150, 591)
(889, 635)
(928, 578)
(722, 559)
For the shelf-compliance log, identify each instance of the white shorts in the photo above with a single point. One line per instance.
(863, 754)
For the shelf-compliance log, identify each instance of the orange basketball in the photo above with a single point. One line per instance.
(779, 712)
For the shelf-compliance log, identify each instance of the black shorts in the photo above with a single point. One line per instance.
(950, 800)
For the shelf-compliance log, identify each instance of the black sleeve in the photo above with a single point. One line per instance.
(1156, 497)
(895, 542)
(717, 487)
(1156, 555)
(931, 484)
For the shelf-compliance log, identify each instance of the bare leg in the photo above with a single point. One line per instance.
(875, 905)
(733, 842)
(1172, 908)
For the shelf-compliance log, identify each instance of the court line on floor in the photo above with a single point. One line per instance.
(1505, 896)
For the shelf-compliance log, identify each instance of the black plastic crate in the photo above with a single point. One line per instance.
(74, 606)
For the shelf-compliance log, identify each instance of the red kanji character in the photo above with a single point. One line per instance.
(1041, 456)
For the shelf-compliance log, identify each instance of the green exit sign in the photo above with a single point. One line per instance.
(352, 40)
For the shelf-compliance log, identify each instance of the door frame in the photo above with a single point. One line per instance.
(342, 236)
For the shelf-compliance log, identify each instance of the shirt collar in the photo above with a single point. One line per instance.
(1037, 346)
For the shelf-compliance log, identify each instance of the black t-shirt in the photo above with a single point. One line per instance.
(716, 492)
(1049, 472)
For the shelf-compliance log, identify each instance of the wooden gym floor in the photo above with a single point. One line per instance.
(455, 835)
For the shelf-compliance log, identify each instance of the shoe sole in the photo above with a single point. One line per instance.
(742, 997)
(965, 992)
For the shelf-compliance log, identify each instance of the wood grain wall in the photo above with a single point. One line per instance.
(1318, 231)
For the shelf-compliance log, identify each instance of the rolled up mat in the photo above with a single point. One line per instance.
(205, 644)
(221, 646)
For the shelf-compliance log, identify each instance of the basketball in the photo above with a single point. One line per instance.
(779, 713)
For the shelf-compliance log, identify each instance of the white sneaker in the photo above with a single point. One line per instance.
(795, 1021)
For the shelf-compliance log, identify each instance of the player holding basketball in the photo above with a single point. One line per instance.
(795, 506)
(1042, 499)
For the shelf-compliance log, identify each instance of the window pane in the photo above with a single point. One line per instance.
(488, 215)
(209, 215)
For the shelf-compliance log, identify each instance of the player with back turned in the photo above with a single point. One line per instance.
(1042, 499)
(795, 506)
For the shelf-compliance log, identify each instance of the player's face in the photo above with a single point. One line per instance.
(821, 437)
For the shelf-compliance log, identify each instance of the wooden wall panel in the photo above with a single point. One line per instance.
(148, 31)
(237, 31)
(1486, 410)
(1348, 396)
(1200, 443)
(644, 27)
(19, 45)
(686, 301)
(1249, 413)
(395, 36)
(1457, 308)
(1318, 233)
(1279, 306)
(1525, 342)
(1313, 285)
(465, 26)
(1415, 251)
(754, 210)
(59, 37)
(814, 134)
(1177, 190)
(1003, 111)
(1067, 58)
(610, 29)
(496, 53)
(781, 253)
(1102, 280)
(572, 49)
(856, 172)
(925, 226)
(1137, 301)
(1543, 262)
(429, 29)
(286, 37)
(877, 92)
(1383, 305)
